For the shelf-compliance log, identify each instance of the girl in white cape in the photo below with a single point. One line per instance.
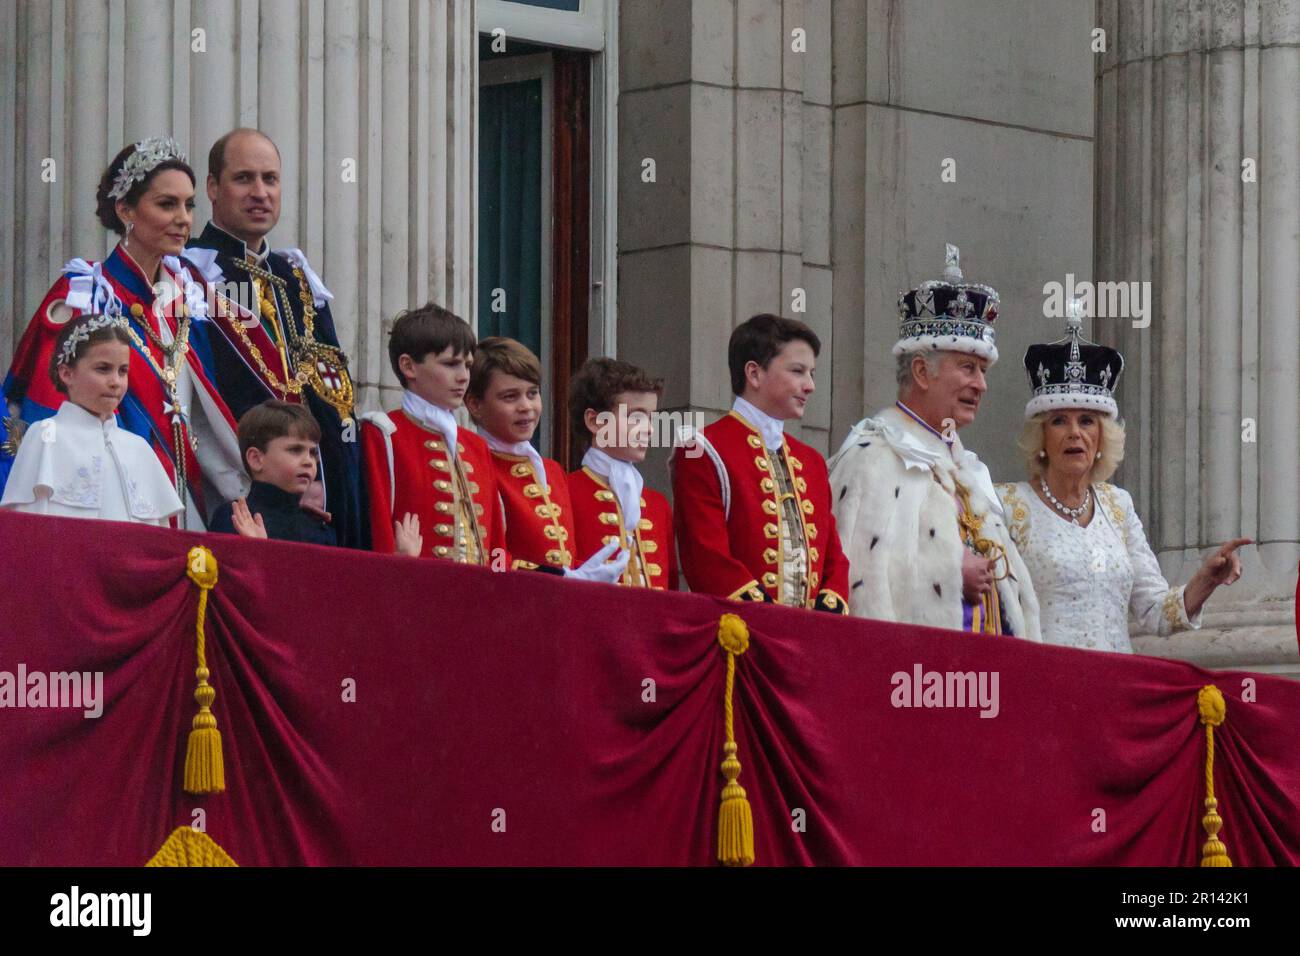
(79, 463)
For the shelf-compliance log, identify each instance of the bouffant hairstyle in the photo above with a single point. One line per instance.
(500, 354)
(760, 339)
(106, 205)
(430, 328)
(1111, 446)
(597, 384)
(111, 333)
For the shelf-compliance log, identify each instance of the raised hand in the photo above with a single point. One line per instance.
(245, 522)
(1224, 566)
(406, 536)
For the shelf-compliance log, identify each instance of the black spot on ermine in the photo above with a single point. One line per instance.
(895, 492)
(843, 492)
(873, 541)
(856, 585)
(932, 532)
(938, 590)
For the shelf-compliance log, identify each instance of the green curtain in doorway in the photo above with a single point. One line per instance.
(510, 211)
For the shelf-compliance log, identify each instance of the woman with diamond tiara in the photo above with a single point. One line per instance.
(146, 196)
(1080, 537)
(79, 463)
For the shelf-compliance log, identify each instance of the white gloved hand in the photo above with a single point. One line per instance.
(599, 568)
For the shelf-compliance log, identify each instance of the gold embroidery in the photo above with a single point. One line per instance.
(1017, 514)
(1173, 609)
(1110, 500)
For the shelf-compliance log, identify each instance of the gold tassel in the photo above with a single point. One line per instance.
(188, 847)
(204, 770)
(1210, 704)
(735, 819)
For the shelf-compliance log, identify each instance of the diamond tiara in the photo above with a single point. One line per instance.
(68, 354)
(149, 154)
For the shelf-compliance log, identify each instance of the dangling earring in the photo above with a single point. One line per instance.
(1098, 456)
(1042, 453)
(126, 238)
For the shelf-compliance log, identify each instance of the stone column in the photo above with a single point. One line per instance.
(1198, 194)
(997, 92)
(733, 107)
(387, 88)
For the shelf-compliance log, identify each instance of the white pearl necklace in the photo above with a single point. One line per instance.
(1072, 513)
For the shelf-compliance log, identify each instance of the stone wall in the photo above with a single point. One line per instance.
(820, 170)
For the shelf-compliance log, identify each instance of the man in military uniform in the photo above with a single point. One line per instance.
(277, 334)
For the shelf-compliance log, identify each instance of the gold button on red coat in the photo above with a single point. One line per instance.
(596, 518)
(539, 521)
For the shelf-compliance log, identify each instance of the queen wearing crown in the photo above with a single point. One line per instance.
(922, 527)
(1080, 536)
(146, 196)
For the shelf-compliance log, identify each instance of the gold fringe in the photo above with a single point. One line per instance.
(1213, 710)
(204, 768)
(735, 819)
(188, 847)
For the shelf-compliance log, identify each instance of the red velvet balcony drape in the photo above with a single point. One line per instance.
(510, 718)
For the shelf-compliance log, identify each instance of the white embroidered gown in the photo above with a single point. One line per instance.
(75, 466)
(1092, 581)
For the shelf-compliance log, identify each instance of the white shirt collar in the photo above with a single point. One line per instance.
(521, 449)
(435, 416)
(82, 418)
(623, 479)
(772, 429)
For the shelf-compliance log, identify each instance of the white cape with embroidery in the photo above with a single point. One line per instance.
(75, 466)
(892, 484)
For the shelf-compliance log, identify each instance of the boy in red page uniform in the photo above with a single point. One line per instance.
(611, 407)
(505, 399)
(753, 506)
(424, 474)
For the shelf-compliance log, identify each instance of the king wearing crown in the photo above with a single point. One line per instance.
(921, 523)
